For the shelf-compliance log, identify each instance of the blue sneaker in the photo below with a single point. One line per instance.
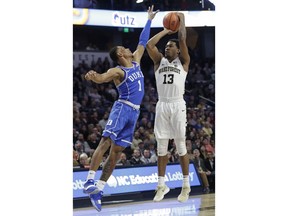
(95, 198)
(89, 186)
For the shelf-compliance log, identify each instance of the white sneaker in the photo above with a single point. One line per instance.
(160, 192)
(184, 195)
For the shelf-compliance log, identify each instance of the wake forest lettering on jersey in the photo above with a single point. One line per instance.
(169, 69)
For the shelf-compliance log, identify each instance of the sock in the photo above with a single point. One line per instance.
(100, 185)
(186, 182)
(91, 174)
(161, 180)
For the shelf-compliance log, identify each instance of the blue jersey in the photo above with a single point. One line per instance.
(132, 87)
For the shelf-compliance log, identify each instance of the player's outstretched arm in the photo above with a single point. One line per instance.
(184, 54)
(111, 74)
(144, 36)
(152, 50)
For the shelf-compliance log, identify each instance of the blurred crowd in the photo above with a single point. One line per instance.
(133, 5)
(92, 103)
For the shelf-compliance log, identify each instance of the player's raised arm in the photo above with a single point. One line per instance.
(184, 54)
(112, 74)
(152, 50)
(144, 36)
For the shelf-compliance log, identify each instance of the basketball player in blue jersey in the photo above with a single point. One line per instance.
(170, 119)
(119, 130)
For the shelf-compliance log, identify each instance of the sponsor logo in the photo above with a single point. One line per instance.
(112, 182)
(123, 19)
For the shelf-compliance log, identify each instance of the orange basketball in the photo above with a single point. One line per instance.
(171, 21)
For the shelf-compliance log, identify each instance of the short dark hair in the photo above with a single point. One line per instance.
(176, 41)
(113, 53)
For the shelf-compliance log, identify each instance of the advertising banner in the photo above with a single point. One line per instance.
(135, 179)
(96, 17)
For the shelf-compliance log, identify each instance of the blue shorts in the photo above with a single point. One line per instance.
(121, 124)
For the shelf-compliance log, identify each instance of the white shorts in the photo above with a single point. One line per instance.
(170, 120)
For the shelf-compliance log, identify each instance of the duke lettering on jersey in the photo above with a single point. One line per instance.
(136, 75)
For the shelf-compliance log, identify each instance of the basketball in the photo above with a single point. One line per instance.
(171, 21)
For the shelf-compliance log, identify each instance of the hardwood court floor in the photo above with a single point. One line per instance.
(197, 205)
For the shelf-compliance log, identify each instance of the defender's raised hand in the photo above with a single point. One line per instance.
(151, 14)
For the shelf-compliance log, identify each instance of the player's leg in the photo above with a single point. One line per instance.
(122, 137)
(107, 137)
(162, 134)
(162, 188)
(184, 162)
(89, 185)
(178, 122)
(107, 170)
(111, 161)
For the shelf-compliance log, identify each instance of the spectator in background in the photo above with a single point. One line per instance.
(104, 120)
(83, 130)
(75, 135)
(84, 161)
(196, 144)
(171, 158)
(94, 119)
(151, 147)
(75, 159)
(210, 165)
(136, 140)
(123, 160)
(141, 131)
(189, 149)
(93, 141)
(82, 146)
(90, 127)
(136, 158)
(146, 156)
(141, 147)
(97, 131)
(207, 145)
(207, 129)
(201, 169)
(203, 152)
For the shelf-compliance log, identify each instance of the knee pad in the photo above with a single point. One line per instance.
(181, 146)
(162, 147)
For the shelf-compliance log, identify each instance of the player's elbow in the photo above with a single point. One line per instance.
(150, 46)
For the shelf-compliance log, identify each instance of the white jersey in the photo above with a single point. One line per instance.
(170, 79)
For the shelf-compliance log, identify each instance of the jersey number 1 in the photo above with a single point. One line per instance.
(170, 78)
(140, 89)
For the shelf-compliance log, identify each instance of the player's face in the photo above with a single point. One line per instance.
(171, 49)
(125, 51)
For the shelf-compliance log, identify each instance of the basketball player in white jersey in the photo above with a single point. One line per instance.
(170, 120)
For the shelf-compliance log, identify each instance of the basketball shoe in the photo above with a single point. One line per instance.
(95, 198)
(89, 186)
(160, 192)
(184, 195)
